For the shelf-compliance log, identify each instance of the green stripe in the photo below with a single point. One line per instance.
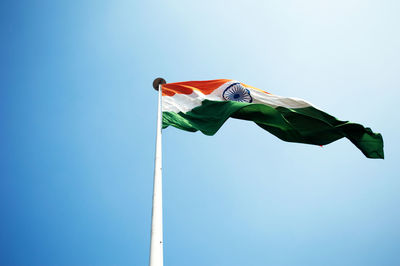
(303, 125)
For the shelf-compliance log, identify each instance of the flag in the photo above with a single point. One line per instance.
(206, 105)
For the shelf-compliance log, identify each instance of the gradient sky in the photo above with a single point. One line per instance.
(78, 117)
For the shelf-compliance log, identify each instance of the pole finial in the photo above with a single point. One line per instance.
(157, 82)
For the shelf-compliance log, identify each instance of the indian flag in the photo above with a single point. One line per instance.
(206, 105)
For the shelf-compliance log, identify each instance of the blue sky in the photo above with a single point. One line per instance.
(78, 117)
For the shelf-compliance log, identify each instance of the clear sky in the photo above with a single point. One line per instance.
(78, 117)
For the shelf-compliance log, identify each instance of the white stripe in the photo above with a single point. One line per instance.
(184, 103)
(276, 101)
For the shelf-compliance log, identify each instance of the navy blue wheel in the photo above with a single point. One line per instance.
(236, 92)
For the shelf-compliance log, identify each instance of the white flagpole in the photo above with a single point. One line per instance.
(156, 242)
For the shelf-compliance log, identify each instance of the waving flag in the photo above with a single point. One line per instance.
(206, 105)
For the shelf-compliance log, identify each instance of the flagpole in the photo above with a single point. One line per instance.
(156, 241)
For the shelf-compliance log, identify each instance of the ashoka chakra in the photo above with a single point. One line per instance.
(236, 92)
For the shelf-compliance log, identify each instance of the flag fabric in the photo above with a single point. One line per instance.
(206, 105)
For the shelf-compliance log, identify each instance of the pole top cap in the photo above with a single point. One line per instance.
(157, 82)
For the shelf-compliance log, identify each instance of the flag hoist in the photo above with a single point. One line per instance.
(206, 105)
(156, 242)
